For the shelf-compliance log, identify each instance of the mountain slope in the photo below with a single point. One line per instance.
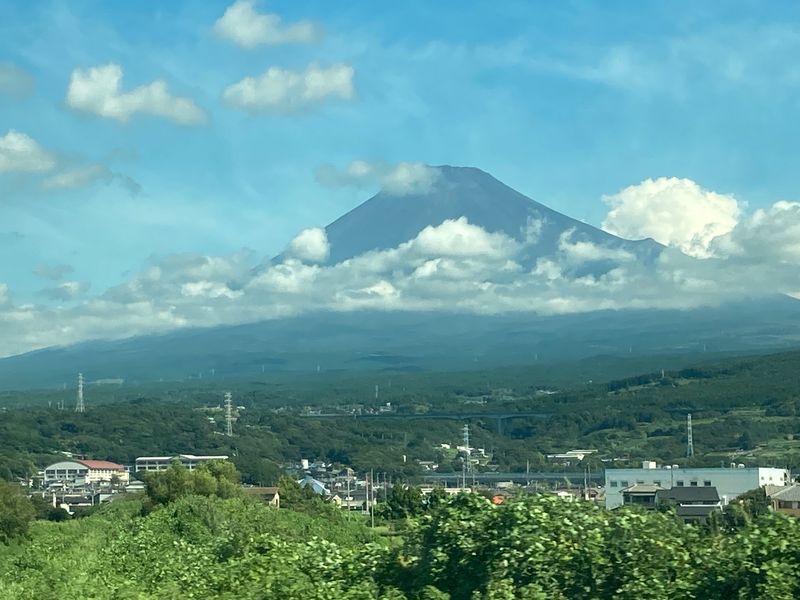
(387, 220)
(399, 340)
(404, 341)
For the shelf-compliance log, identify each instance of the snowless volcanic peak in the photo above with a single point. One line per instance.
(389, 219)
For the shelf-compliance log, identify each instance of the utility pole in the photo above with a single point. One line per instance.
(689, 440)
(372, 494)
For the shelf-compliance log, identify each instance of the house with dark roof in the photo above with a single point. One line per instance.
(690, 503)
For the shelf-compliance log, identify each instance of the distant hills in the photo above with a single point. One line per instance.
(405, 341)
(414, 341)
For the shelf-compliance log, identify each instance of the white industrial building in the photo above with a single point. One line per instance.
(85, 471)
(730, 482)
(161, 463)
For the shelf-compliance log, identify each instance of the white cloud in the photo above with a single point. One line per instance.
(582, 251)
(248, 28)
(675, 212)
(310, 245)
(97, 90)
(68, 290)
(459, 238)
(208, 289)
(455, 266)
(86, 175)
(19, 152)
(14, 81)
(769, 235)
(290, 277)
(283, 91)
(400, 179)
(77, 177)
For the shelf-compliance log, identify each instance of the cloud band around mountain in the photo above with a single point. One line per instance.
(455, 266)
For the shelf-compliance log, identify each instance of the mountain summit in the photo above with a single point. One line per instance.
(440, 296)
(389, 219)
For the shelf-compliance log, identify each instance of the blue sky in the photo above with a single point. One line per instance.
(566, 102)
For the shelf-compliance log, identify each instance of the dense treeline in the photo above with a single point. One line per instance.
(464, 548)
(744, 410)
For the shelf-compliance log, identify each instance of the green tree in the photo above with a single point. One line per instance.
(46, 511)
(742, 511)
(16, 512)
(215, 478)
(302, 499)
(402, 502)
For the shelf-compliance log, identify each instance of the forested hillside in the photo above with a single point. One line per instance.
(209, 542)
(746, 410)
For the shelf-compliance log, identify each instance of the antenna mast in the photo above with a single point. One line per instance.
(228, 415)
(79, 407)
(689, 441)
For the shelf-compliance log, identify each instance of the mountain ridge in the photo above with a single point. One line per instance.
(424, 339)
(387, 219)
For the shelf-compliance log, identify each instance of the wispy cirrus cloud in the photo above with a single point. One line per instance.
(86, 175)
(398, 178)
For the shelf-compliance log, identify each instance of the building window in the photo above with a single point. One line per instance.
(656, 483)
(707, 483)
(640, 482)
(624, 483)
(693, 484)
(679, 483)
(614, 483)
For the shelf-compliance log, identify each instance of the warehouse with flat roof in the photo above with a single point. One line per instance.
(161, 463)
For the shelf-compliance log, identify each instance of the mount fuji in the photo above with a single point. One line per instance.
(419, 338)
